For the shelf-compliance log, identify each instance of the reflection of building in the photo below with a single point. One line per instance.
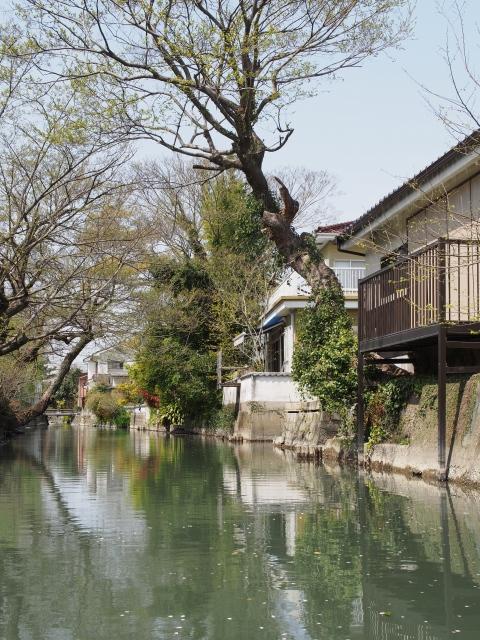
(273, 392)
(395, 558)
(82, 390)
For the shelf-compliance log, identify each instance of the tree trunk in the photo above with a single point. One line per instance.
(299, 251)
(41, 405)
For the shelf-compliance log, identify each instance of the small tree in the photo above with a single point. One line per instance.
(68, 241)
(106, 406)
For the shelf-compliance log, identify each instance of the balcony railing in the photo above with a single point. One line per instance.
(349, 277)
(437, 284)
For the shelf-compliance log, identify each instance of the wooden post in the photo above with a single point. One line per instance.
(219, 369)
(442, 401)
(360, 407)
(442, 360)
(360, 376)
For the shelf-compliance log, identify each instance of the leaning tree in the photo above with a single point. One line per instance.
(70, 237)
(214, 79)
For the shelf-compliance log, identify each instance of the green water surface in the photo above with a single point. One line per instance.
(110, 535)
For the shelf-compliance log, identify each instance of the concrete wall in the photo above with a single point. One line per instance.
(265, 399)
(139, 416)
(307, 429)
(273, 409)
(419, 427)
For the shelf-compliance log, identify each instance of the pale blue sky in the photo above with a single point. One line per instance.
(373, 129)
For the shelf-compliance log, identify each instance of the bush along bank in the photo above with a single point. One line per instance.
(108, 407)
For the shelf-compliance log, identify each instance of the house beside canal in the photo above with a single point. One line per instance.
(265, 399)
(420, 301)
(107, 367)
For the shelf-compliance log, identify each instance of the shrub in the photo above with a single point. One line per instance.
(179, 376)
(324, 359)
(107, 408)
(224, 419)
(384, 405)
(167, 415)
(121, 418)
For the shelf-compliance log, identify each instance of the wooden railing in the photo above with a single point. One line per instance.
(437, 284)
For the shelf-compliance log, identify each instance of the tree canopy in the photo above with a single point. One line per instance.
(214, 79)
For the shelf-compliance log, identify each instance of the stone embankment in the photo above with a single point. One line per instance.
(311, 433)
(415, 451)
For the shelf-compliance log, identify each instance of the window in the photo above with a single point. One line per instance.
(276, 351)
(349, 273)
(114, 365)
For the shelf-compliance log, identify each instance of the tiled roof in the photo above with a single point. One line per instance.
(339, 227)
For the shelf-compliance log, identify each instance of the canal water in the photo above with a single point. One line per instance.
(110, 535)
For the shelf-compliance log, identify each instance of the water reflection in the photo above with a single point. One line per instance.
(117, 535)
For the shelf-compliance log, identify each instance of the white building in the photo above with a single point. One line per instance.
(264, 398)
(108, 367)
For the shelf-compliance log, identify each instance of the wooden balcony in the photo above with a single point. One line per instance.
(438, 285)
(426, 306)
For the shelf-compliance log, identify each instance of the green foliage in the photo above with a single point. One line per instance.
(128, 393)
(66, 396)
(201, 298)
(107, 408)
(384, 405)
(180, 276)
(232, 218)
(121, 418)
(224, 419)
(181, 376)
(324, 359)
(388, 397)
(168, 415)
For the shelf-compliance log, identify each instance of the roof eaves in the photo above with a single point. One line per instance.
(448, 159)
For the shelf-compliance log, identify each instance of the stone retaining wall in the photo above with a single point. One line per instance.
(419, 428)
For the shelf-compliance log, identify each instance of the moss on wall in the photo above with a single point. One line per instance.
(398, 409)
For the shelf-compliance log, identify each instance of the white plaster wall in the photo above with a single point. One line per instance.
(91, 369)
(229, 395)
(263, 387)
(288, 346)
(268, 387)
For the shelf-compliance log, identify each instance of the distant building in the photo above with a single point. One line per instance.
(107, 367)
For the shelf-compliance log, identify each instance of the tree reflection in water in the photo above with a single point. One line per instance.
(116, 535)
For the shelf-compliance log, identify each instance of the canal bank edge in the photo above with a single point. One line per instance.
(413, 449)
(40, 422)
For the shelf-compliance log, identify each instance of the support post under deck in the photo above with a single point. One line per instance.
(360, 407)
(442, 358)
(442, 401)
